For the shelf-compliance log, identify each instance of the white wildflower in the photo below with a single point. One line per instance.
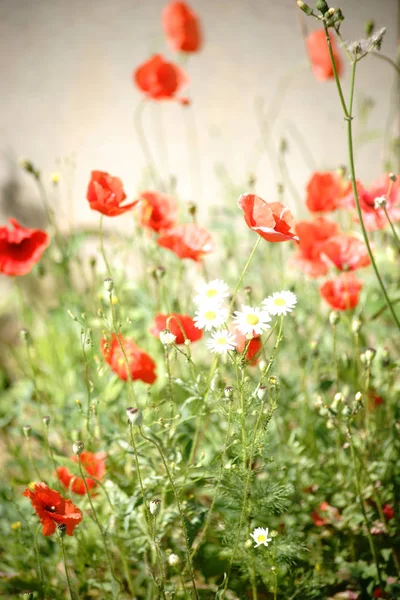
(210, 317)
(280, 303)
(213, 293)
(252, 321)
(221, 342)
(260, 536)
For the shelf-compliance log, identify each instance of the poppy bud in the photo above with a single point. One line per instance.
(166, 337)
(109, 284)
(78, 448)
(358, 397)
(369, 27)
(173, 560)
(322, 6)
(262, 392)
(46, 420)
(334, 318)
(28, 166)
(248, 290)
(25, 335)
(135, 416)
(385, 357)
(392, 177)
(370, 354)
(159, 272)
(356, 325)
(304, 7)
(155, 506)
(346, 412)
(248, 544)
(27, 431)
(192, 209)
(61, 530)
(228, 391)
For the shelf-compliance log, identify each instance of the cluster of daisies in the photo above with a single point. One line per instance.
(212, 315)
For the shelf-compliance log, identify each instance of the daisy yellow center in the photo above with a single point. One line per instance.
(261, 538)
(252, 319)
(211, 293)
(210, 315)
(279, 302)
(222, 341)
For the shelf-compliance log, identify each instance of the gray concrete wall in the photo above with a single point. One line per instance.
(66, 92)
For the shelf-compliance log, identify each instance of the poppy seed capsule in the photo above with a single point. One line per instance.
(109, 284)
(322, 6)
(78, 448)
(135, 416)
(356, 325)
(155, 506)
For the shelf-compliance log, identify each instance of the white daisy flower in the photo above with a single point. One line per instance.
(213, 292)
(210, 317)
(280, 303)
(252, 320)
(221, 342)
(260, 536)
(166, 337)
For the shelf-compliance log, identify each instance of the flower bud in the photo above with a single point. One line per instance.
(46, 420)
(358, 397)
(27, 431)
(78, 447)
(273, 533)
(385, 357)
(192, 209)
(369, 27)
(61, 530)
(330, 12)
(27, 596)
(228, 392)
(248, 290)
(159, 272)
(356, 325)
(109, 284)
(380, 202)
(135, 416)
(322, 6)
(154, 506)
(334, 318)
(262, 392)
(166, 337)
(370, 354)
(173, 560)
(248, 544)
(392, 177)
(25, 335)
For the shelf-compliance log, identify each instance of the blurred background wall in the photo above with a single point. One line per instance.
(67, 98)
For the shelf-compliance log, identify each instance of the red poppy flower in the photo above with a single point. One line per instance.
(272, 221)
(326, 192)
(159, 79)
(106, 194)
(141, 365)
(157, 211)
(52, 509)
(175, 322)
(325, 514)
(21, 248)
(253, 349)
(342, 293)
(388, 511)
(346, 252)
(94, 464)
(318, 51)
(312, 235)
(375, 218)
(182, 27)
(378, 593)
(187, 241)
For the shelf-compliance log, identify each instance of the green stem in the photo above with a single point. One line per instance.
(242, 276)
(102, 250)
(396, 237)
(364, 514)
(178, 504)
(145, 146)
(40, 567)
(103, 537)
(66, 568)
(349, 118)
